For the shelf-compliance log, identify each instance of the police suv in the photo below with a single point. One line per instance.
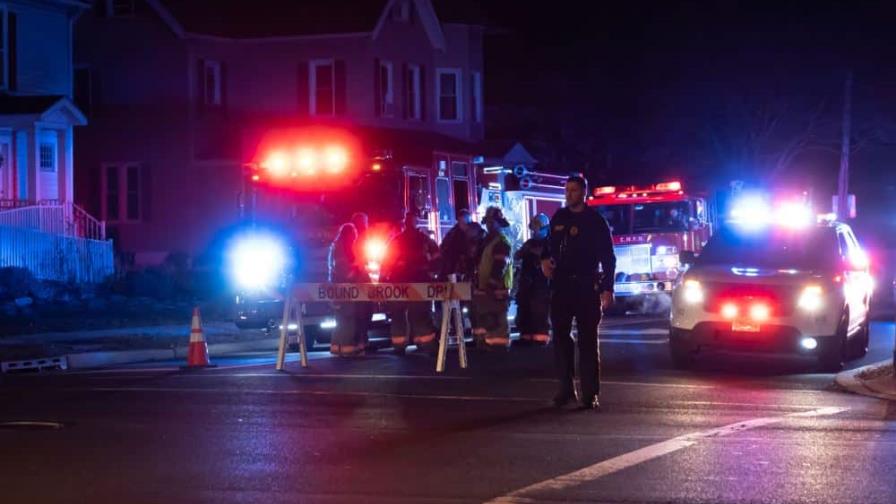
(794, 287)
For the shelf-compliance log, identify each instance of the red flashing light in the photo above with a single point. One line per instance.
(376, 167)
(669, 186)
(598, 191)
(335, 159)
(375, 249)
(760, 312)
(256, 177)
(729, 310)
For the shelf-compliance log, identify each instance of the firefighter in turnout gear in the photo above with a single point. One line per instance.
(580, 263)
(491, 286)
(413, 257)
(459, 247)
(343, 267)
(533, 295)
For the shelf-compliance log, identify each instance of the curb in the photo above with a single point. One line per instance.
(88, 360)
(850, 381)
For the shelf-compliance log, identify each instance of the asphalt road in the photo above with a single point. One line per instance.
(388, 429)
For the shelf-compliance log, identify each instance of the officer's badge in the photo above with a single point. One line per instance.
(573, 231)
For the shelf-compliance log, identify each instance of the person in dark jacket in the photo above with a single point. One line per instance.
(580, 263)
(413, 257)
(343, 268)
(533, 295)
(459, 247)
(491, 285)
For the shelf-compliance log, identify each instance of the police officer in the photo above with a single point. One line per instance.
(491, 286)
(413, 257)
(533, 295)
(581, 264)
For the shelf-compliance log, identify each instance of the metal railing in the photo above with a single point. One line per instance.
(51, 256)
(53, 217)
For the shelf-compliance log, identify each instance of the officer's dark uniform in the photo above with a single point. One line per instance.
(582, 247)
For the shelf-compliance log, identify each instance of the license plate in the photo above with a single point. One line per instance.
(745, 327)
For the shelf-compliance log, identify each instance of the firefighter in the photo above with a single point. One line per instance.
(460, 245)
(580, 263)
(491, 286)
(363, 310)
(343, 267)
(533, 295)
(413, 257)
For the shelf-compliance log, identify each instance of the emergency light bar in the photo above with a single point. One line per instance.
(638, 191)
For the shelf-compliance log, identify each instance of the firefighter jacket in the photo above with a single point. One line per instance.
(459, 250)
(494, 272)
(528, 262)
(413, 257)
(342, 266)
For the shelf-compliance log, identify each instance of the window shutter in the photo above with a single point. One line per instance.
(377, 106)
(404, 84)
(200, 86)
(145, 194)
(423, 93)
(303, 92)
(223, 84)
(473, 98)
(11, 47)
(339, 87)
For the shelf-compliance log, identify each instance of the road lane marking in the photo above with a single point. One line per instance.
(635, 384)
(636, 341)
(664, 332)
(626, 460)
(324, 375)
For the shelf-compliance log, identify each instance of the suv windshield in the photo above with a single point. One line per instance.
(810, 249)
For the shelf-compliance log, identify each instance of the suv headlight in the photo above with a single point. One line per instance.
(692, 292)
(811, 298)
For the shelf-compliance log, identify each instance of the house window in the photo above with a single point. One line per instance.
(120, 8)
(122, 193)
(412, 93)
(477, 96)
(6, 46)
(323, 87)
(386, 98)
(47, 157)
(211, 79)
(449, 95)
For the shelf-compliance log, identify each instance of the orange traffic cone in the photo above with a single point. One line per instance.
(197, 353)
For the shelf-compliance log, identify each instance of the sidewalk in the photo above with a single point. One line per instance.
(133, 344)
(875, 380)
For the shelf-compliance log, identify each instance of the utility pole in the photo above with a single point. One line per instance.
(843, 179)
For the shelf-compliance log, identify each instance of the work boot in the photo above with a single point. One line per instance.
(590, 405)
(563, 398)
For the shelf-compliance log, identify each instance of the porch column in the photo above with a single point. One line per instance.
(67, 168)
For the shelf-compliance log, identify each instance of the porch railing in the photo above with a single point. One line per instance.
(53, 217)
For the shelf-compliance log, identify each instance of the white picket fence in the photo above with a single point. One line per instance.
(55, 241)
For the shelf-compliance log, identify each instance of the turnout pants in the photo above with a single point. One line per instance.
(533, 314)
(490, 318)
(412, 323)
(580, 301)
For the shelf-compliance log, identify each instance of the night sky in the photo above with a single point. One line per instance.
(679, 88)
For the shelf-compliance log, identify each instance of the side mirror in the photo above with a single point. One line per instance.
(687, 257)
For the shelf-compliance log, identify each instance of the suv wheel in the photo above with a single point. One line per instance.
(832, 358)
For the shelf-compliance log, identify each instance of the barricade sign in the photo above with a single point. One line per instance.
(449, 293)
(381, 292)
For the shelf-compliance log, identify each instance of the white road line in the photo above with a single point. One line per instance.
(635, 341)
(323, 375)
(651, 452)
(636, 384)
(643, 332)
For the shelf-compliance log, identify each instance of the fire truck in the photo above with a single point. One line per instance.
(302, 184)
(651, 226)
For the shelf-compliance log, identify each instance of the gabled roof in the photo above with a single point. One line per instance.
(295, 18)
(275, 18)
(41, 106)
